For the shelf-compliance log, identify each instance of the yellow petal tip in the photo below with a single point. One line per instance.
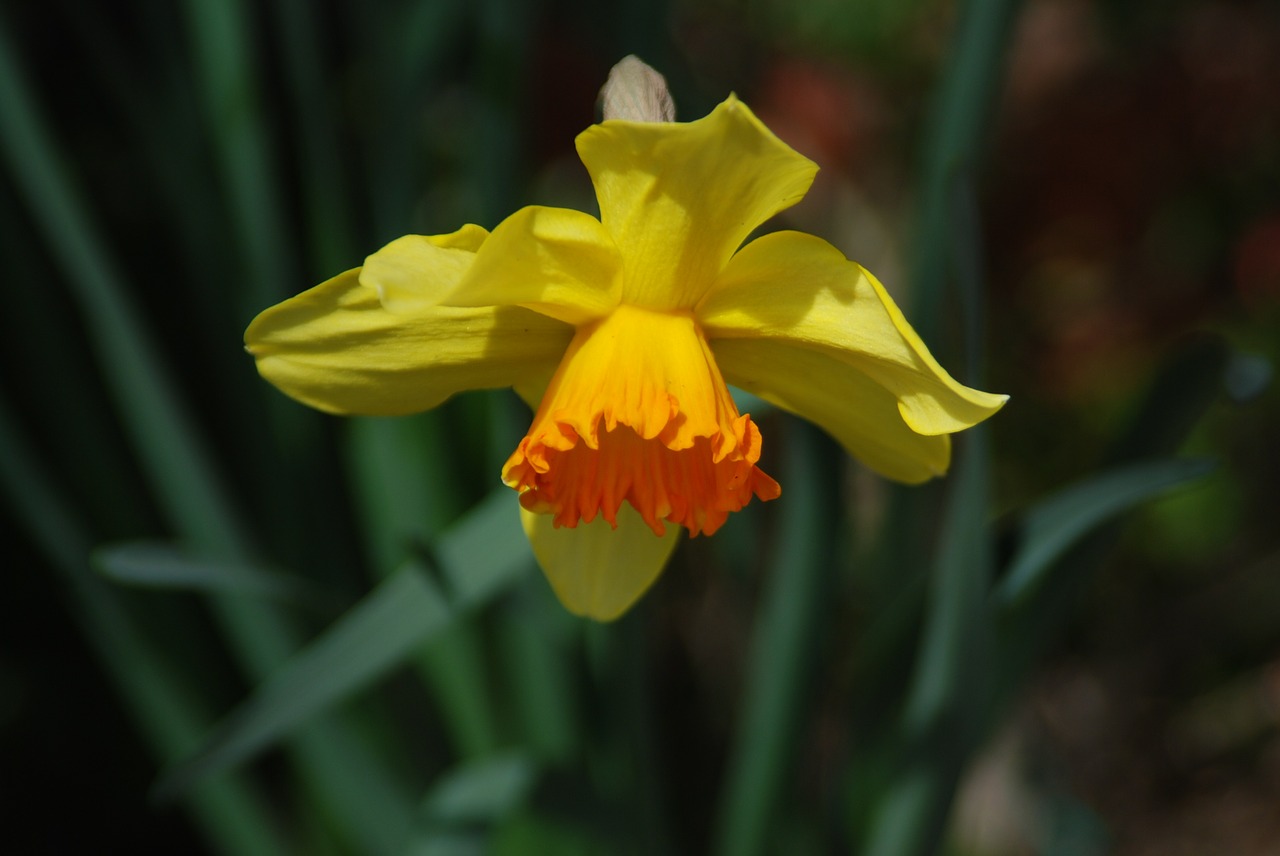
(597, 570)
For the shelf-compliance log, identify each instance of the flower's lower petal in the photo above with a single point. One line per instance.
(850, 406)
(793, 287)
(598, 571)
(336, 348)
(555, 261)
(680, 197)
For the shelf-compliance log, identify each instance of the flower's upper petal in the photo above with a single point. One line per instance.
(555, 261)
(797, 288)
(858, 412)
(679, 198)
(598, 571)
(338, 349)
(417, 271)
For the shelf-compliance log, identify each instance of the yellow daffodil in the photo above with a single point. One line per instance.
(623, 332)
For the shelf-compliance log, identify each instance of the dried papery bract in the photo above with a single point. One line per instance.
(637, 93)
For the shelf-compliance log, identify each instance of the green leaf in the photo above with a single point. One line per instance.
(1050, 528)
(160, 428)
(486, 551)
(786, 638)
(968, 89)
(481, 556)
(456, 843)
(234, 816)
(225, 58)
(462, 809)
(153, 564)
(910, 814)
(940, 723)
(483, 791)
(369, 640)
(188, 488)
(402, 471)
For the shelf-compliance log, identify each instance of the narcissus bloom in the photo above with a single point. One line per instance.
(623, 332)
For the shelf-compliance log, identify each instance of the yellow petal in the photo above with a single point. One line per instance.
(679, 198)
(552, 260)
(336, 348)
(858, 412)
(469, 237)
(797, 288)
(598, 571)
(417, 271)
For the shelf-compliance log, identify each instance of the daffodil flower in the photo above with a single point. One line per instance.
(623, 332)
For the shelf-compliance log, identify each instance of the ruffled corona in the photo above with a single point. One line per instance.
(638, 412)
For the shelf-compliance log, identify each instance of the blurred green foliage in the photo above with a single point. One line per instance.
(325, 636)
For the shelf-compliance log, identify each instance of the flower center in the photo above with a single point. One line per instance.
(638, 412)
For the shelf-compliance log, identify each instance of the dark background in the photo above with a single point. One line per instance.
(1129, 191)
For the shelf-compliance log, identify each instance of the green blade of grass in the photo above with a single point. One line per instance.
(151, 564)
(961, 579)
(175, 464)
(224, 57)
(332, 237)
(1181, 393)
(234, 818)
(936, 729)
(963, 566)
(783, 651)
(405, 486)
(482, 791)
(407, 52)
(622, 796)
(534, 641)
(947, 696)
(375, 636)
(466, 804)
(363, 645)
(355, 788)
(968, 88)
(1055, 524)
(492, 533)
